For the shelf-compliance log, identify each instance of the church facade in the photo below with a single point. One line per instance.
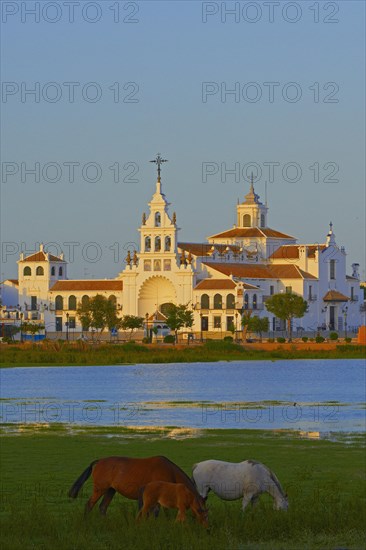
(232, 271)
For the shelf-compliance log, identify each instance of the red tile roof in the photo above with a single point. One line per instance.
(93, 285)
(157, 316)
(291, 251)
(14, 281)
(335, 296)
(42, 257)
(213, 284)
(258, 271)
(251, 232)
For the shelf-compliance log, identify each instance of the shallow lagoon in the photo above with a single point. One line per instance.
(310, 395)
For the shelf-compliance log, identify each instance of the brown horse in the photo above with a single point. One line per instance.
(127, 476)
(172, 495)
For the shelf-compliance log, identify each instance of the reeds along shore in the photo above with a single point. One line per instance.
(58, 353)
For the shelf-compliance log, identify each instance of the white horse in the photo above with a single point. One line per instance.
(231, 481)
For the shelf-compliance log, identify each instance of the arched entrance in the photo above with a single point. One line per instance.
(153, 293)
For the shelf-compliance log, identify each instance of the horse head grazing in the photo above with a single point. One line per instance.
(172, 495)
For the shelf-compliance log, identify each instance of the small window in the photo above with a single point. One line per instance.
(157, 219)
(167, 265)
(60, 271)
(147, 265)
(53, 271)
(39, 271)
(352, 293)
(310, 292)
(72, 322)
(254, 301)
(27, 272)
(168, 243)
(72, 303)
(289, 290)
(85, 300)
(217, 301)
(217, 322)
(147, 244)
(246, 301)
(59, 303)
(157, 244)
(157, 265)
(332, 269)
(205, 301)
(230, 324)
(263, 220)
(230, 301)
(271, 290)
(204, 323)
(247, 221)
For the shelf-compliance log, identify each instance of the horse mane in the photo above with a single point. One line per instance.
(189, 480)
(277, 483)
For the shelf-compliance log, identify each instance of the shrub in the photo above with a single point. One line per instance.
(311, 339)
(270, 340)
(319, 339)
(348, 340)
(169, 339)
(304, 338)
(145, 340)
(281, 340)
(333, 336)
(228, 339)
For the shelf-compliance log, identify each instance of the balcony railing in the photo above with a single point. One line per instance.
(312, 298)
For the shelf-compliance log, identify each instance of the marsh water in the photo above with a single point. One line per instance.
(311, 395)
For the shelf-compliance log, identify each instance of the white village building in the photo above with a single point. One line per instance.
(234, 270)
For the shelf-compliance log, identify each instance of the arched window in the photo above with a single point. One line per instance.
(59, 303)
(205, 301)
(263, 220)
(157, 244)
(85, 300)
(247, 222)
(60, 271)
(147, 244)
(113, 299)
(72, 303)
(168, 243)
(217, 301)
(246, 301)
(157, 219)
(230, 301)
(53, 271)
(332, 269)
(254, 301)
(27, 272)
(39, 271)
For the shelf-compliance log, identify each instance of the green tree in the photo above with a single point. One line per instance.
(259, 325)
(245, 322)
(98, 313)
(179, 316)
(287, 307)
(131, 322)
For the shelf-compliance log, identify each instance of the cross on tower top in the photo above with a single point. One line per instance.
(159, 161)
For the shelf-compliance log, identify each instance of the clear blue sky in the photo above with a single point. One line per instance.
(169, 52)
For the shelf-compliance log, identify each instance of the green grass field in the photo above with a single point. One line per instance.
(325, 481)
(78, 353)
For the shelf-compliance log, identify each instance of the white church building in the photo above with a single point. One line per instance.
(233, 271)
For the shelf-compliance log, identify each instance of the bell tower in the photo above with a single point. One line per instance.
(251, 212)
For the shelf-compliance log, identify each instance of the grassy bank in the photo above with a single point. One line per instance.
(80, 353)
(325, 482)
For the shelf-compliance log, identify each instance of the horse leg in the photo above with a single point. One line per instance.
(247, 497)
(156, 510)
(254, 500)
(106, 500)
(181, 516)
(97, 493)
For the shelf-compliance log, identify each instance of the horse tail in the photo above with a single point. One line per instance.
(74, 491)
